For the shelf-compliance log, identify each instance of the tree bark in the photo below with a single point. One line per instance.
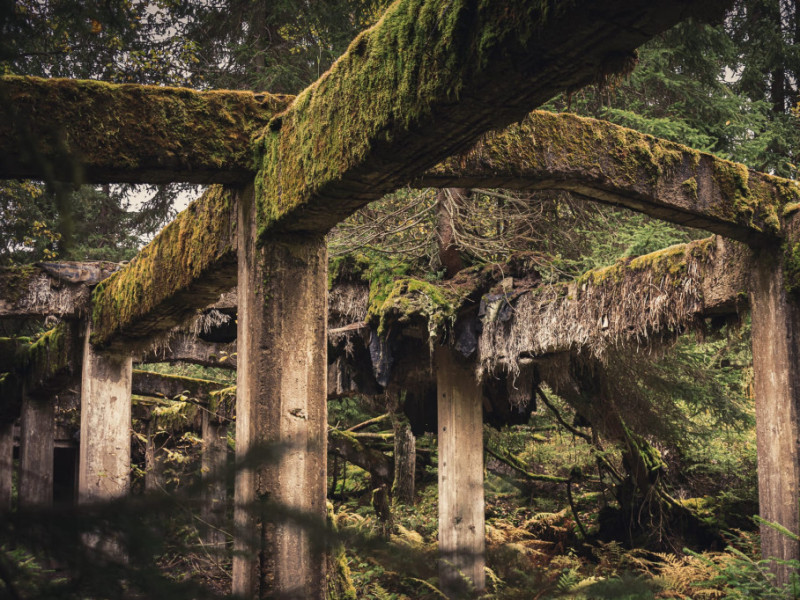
(448, 200)
(405, 460)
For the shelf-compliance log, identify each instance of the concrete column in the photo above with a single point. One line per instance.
(6, 465)
(105, 452)
(461, 509)
(37, 423)
(281, 398)
(214, 459)
(776, 369)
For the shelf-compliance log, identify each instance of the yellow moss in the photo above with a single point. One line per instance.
(564, 146)
(791, 208)
(671, 261)
(411, 298)
(395, 77)
(40, 358)
(690, 187)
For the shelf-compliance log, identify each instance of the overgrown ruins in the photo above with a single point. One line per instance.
(411, 102)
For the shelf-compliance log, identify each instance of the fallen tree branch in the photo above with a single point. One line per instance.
(369, 422)
(560, 419)
(514, 464)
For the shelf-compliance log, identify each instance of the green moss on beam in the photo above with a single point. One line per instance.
(102, 132)
(426, 81)
(407, 300)
(670, 262)
(41, 363)
(184, 268)
(621, 166)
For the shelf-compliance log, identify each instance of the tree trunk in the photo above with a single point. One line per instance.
(447, 202)
(405, 460)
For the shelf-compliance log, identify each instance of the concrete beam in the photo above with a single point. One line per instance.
(185, 268)
(187, 348)
(280, 400)
(45, 289)
(426, 82)
(630, 302)
(620, 166)
(147, 383)
(96, 132)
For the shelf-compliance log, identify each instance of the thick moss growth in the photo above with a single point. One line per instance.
(51, 353)
(194, 242)
(670, 262)
(607, 157)
(411, 298)
(113, 129)
(395, 295)
(343, 137)
(339, 582)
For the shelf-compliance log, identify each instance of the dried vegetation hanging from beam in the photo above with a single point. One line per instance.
(642, 300)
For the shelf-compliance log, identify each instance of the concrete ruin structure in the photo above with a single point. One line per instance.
(287, 169)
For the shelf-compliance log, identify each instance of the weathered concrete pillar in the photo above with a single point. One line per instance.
(105, 452)
(37, 422)
(776, 366)
(6, 465)
(461, 509)
(281, 381)
(214, 459)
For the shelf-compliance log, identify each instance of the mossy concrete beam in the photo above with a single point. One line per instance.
(188, 348)
(44, 289)
(636, 301)
(183, 269)
(426, 82)
(148, 383)
(96, 132)
(620, 166)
